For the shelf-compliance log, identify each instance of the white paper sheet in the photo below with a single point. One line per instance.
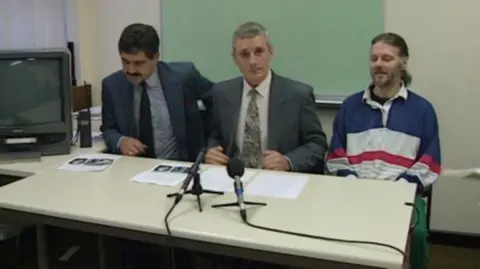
(163, 175)
(217, 179)
(89, 163)
(271, 184)
(96, 136)
(95, 111)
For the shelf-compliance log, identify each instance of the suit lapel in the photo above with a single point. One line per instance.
(232, 114)
(174, 97)
(276, 112)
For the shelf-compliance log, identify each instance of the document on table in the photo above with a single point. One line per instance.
(89, 163)
(271, 184)
(462, 173)
(163, 175)
(217, 179)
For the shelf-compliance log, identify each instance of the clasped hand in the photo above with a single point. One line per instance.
(272, 160)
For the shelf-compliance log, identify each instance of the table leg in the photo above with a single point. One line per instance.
(42, 247)
(101, 251)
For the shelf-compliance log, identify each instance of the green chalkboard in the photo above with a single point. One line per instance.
(324, 43)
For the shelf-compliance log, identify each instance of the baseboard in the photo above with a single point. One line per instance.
(454, 239)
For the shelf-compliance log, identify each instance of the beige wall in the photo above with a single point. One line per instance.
(444, 45)
(444, 48)
(100, 23)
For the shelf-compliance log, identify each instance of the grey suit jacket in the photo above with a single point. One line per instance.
(293, 126)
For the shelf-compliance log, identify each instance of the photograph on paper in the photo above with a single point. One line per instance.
(78, 161)
(97, 162)
(162, 168)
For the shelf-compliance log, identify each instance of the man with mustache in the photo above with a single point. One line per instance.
(267, 120)
(149, 109)
(388, 132)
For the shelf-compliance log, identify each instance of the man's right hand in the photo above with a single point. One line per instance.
(131, 146)
(215, 156)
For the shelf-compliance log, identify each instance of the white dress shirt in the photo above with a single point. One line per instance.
(263, 104)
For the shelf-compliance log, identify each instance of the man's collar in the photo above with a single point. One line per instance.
(263, 87)
(402, 93)
(153, 79)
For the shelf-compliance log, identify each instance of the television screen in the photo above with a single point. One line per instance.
(30, 91)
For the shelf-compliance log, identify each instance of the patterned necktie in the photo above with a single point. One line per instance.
(252, 150)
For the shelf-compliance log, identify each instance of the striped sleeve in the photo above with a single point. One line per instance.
(427, 166)
(337, 160)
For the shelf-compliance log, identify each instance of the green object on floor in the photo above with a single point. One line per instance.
(419, 249)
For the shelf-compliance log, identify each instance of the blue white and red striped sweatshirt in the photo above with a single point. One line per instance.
(395, 141)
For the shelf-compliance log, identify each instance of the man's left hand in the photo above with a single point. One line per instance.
(273, 160)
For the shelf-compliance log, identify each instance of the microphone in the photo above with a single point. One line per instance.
(191, 173)
(235, 170)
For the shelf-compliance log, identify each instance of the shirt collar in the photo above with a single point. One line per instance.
(153, 79)
(262, 88)
(402, 93)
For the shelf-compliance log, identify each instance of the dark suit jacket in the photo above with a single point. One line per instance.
(293, 126)
(182, 85)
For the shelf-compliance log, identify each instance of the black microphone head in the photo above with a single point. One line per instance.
(235, 167)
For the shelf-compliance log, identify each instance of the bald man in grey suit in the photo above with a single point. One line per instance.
(267, 120)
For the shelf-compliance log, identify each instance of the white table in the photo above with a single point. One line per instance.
(109, 203)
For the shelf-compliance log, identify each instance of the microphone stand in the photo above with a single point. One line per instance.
(196, 188)
(236, 203)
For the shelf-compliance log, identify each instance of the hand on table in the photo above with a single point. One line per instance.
(216, 156)
(132, 147)
(273, 160)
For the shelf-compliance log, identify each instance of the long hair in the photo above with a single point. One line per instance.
(397, 41)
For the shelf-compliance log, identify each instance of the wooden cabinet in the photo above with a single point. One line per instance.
(81, 97)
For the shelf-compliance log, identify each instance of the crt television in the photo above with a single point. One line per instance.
(35, 102)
